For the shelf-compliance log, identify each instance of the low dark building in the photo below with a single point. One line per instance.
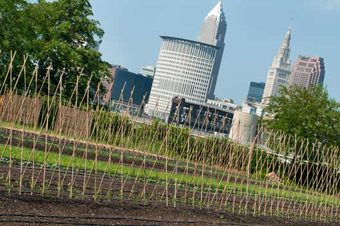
(204, 118)
(255, 92)
(126, 81)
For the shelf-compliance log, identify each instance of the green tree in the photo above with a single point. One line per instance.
(14, 33)
(308, 113)
(12, 23)
(59, 33)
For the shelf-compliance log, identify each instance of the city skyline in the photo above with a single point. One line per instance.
(251, 40)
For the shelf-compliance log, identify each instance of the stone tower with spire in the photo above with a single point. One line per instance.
(213, 33)
(279, 72)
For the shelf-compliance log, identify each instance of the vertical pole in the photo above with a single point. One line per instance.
(88, 128)
(166, 171)
(11, 130)
(122, 176)
(46, 135)
(60, 129)
(75, 124)
(23, 133)
(96, 157)
(175, 192)
(35, 128)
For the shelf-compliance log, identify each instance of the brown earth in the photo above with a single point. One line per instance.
(46, 210)
(152, 161)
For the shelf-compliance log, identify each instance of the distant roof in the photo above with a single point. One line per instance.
(187, 40)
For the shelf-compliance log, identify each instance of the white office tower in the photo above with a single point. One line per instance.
(279, 72)
(213, 32)
(184, 69)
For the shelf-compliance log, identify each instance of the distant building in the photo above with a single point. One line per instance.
(127, 81)
(279, 71)
(255, 108)
(184, 69)
(255, 92)
(213, 32)
(198, 117)
(107, 82)
(307, 71)
(244, 127)
(226, 104)
(148, 71)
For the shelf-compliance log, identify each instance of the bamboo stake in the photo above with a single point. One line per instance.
(60, 130)
(23, 132)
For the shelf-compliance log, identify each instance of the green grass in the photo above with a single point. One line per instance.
(181, 165)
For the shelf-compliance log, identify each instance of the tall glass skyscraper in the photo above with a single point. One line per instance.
(213, 33)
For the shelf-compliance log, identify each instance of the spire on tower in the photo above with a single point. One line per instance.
(217, 11)
(282, 58)
(286, 42)
(279, 72)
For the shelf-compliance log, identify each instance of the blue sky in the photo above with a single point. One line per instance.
(256, 29)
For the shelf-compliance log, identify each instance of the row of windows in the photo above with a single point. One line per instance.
(281, 81)
(188, 58)
(180, 88)
(175, 68)
(200, 82)
(176, 87)
(163, 99)
(189, 48)
(186, 63)
(302, 64)
(185, 66)
(303, 69)
(182, 74)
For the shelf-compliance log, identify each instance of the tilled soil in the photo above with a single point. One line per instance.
(34, 210)
(64, 210)
(110, 188)
(152, 161)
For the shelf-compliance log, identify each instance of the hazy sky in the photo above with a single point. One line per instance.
(256, 29)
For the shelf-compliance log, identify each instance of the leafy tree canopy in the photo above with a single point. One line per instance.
(59, 33)
(308, 113)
